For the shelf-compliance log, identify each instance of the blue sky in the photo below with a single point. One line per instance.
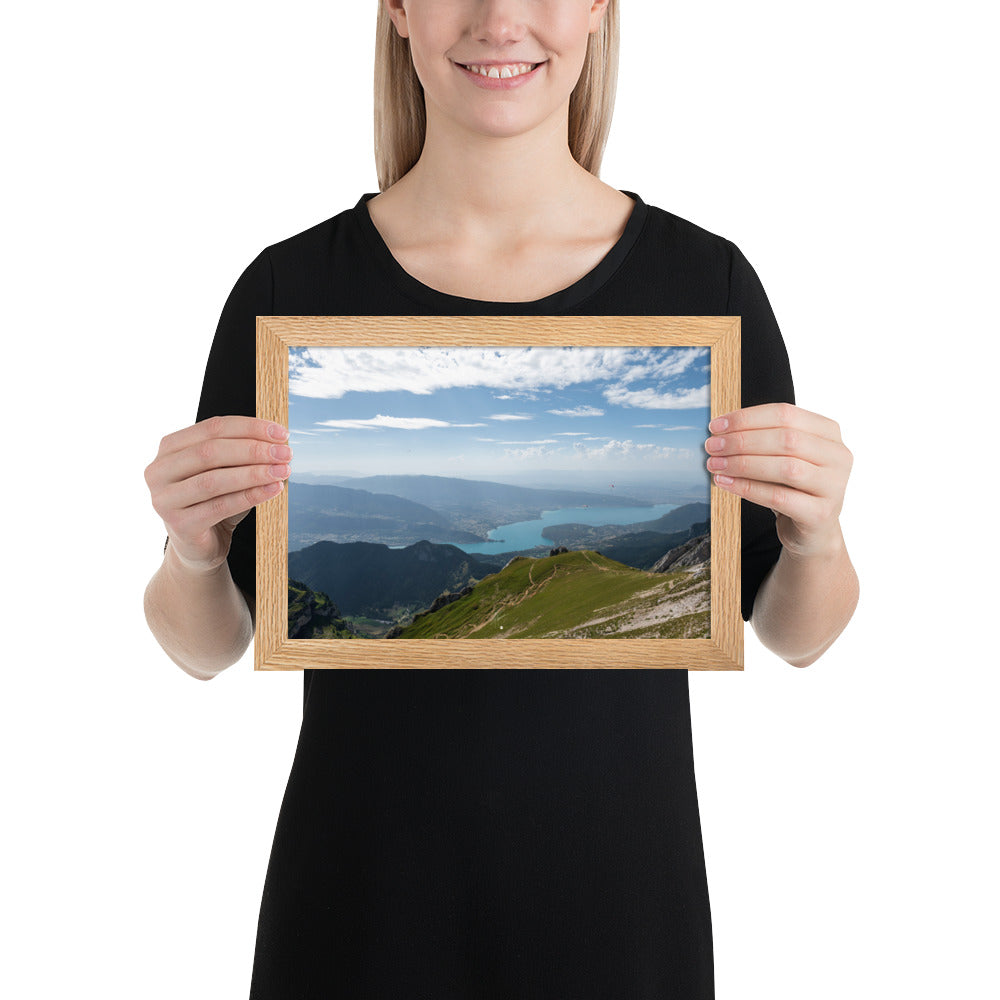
(481, 413)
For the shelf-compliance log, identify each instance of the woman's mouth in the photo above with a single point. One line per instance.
(500, 76)
(500, 72)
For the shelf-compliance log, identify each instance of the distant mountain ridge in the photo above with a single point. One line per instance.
(352, 500)
(478, 506)
(446, 493)
(373, 580)
(402, 510)
(579, 535)
(340, 514)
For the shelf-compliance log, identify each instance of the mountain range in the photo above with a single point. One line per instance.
(375, 581)
(368, 554)
(473, 507)
(338, 513)
(579, 535)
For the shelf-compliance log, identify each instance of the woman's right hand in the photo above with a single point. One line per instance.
(206, 478)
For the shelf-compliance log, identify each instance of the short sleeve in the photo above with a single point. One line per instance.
(229, 387)
(766, 378)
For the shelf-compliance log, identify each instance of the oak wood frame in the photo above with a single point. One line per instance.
(273, 650)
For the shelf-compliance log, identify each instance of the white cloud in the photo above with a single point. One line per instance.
(612, 455)
(679, 427)
(571, 434)
(615, 451)
(530, 396)
(547, 441)
(533, 453)
(653, 399)
(330, 372)
(396, 423)
(578, 411)
(510, 416)
(666, 365)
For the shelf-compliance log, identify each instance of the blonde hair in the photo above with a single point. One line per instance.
(401, 121)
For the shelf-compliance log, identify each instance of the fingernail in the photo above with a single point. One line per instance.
(278, 432)
(724, 480)
(717, 463)
(279, 471)
(280, 452)
(715, 444)
(718, 425)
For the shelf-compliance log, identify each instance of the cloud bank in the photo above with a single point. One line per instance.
(397, 423)
(332, 372)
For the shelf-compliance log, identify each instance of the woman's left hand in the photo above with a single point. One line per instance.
(790, 460)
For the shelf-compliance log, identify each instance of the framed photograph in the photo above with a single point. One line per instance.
(498, 492)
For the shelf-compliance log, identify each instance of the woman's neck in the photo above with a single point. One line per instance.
(488, 188)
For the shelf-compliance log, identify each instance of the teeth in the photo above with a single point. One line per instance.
(502, 72)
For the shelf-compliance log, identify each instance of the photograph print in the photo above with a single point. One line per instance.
(507, 492)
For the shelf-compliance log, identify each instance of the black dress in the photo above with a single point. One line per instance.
(479, 834)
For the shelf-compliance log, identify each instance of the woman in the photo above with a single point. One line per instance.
(494, 833)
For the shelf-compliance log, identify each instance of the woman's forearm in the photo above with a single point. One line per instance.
(201, 619)
(805, 602)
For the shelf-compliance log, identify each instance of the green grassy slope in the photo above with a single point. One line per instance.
(574, 595)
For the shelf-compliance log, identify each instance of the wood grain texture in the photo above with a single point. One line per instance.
(272, 648)
(727, 622)
(508, 331)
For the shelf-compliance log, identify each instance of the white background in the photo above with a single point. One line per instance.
(153, 151)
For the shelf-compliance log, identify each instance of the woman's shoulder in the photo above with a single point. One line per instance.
(690, 254)
(669, 228)
(317, 239)
(299, 264)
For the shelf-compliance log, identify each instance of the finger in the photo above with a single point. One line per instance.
(223, 427)
(776, 415)
(778, 441)
(194, 521)
(214, 453)
(803, 508)
(776, 469)
(214, 483)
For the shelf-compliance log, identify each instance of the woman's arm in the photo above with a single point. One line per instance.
(203, 482)
(805, 602)
(201, 618)
(794, 462)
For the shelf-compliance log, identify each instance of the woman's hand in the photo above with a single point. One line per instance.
(206, 478)
(790, 460)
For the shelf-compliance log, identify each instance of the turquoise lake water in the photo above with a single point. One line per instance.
(528, 534)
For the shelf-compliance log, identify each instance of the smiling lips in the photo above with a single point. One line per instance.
(500, 71)
(500, 76)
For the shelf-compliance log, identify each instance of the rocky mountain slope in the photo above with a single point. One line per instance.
(577, 594)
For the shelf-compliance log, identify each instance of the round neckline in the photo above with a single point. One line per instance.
(565, 298)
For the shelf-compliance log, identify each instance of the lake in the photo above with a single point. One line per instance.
(528, 534)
